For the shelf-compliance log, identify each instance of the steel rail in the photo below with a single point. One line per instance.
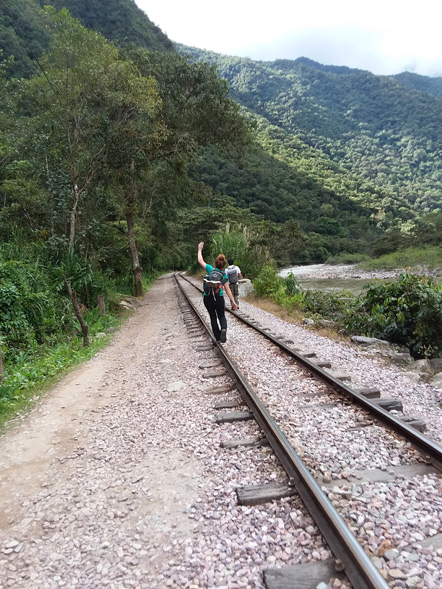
(427, 447)
(358, 566)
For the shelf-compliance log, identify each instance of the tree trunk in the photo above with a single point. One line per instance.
(2, 372)
(134, 253)
(101, 305)
(73, 218)
(73, 297)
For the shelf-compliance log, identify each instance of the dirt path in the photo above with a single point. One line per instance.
(88, 468)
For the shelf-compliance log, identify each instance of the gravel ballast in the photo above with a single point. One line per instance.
(117, 479)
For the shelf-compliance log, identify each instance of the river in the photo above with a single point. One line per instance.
(328, 278)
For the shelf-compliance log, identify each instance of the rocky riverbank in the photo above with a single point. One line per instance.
(351, 272)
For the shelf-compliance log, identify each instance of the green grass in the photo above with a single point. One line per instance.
(29, 375)
(430, 257)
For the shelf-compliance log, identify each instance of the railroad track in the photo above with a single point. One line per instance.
(322, 490)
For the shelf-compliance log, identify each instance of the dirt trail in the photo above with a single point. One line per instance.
(89, 464)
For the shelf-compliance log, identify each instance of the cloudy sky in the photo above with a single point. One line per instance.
(382, 36)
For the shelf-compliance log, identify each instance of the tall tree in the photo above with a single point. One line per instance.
(83, 96)
(196, 111)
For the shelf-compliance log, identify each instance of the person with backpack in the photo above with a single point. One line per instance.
(215, 282)
(234, 274)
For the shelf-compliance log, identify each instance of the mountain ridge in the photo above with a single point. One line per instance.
(337, 150)
(374, 126)
(23, 34)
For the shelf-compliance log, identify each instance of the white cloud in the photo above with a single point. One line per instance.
(383, 36)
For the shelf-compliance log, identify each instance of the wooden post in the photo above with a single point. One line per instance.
(73, 297)
(2, 372)
(101, 305)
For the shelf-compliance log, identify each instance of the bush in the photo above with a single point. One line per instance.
(29, 308)
(407, 311)
(327, 305)
(291, 285)
(35, 308)
(237, 244)
(283, 291)
(268, 282)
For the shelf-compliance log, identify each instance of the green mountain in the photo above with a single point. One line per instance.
(120, 21)
(23, 35)
(377, 128)
(424, 84)
(343, 152)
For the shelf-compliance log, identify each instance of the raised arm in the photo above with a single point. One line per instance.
(201, 261)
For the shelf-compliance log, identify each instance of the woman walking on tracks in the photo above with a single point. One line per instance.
(214, 283)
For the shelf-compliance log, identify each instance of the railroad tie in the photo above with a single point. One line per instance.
(376, 475)
(368, 392)
(389, 404)
(308, 396)
(216, 373)
(244, 442)
(229, 404)
(224, 388)
(195, 332)
(322, 364)
(340, 376)
(308, 354)
(210, 363)
(434, 541)
(232, 416)
(415, 422)
(319, 405)
(302, 576)
(258, 494)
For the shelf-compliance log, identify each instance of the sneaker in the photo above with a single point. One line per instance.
(223, 336)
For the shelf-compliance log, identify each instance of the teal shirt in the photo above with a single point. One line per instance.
(224, 279)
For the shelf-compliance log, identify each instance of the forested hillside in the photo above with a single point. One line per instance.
(280, 177)
(382, 130)
(425, 84)
(23, 35)
(120, 21)
(340, 152)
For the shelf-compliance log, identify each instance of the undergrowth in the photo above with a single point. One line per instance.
(407, 311)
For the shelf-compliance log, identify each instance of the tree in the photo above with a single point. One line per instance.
(196, 111)
(76, 106)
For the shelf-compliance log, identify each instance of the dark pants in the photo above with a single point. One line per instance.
(235, 291)
(215, 307)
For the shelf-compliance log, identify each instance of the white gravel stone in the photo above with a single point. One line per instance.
(127, 486)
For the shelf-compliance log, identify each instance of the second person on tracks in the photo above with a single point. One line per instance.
(214, 283)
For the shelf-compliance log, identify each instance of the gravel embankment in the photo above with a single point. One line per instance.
(116, 479)
(391, 518)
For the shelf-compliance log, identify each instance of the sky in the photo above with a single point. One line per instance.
(382, 36)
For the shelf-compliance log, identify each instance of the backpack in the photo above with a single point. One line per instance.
(232, 273)
(212, 282)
